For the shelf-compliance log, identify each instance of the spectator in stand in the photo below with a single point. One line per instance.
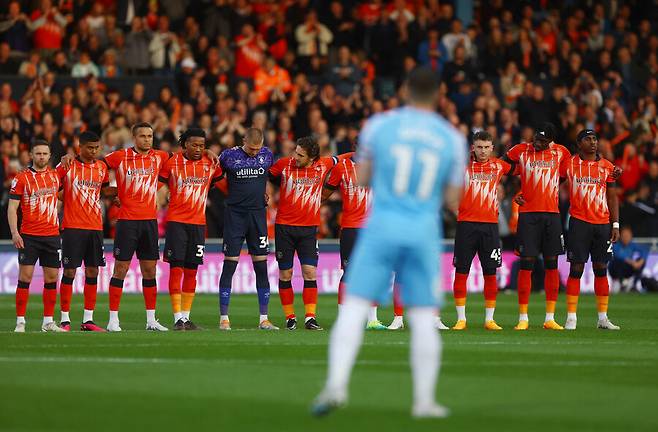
(8, 64)
(629, 259)
(15, 30)
(137, 58)
(163, 48)
(48, 26)
(344, 75)
(313, 39)
(271, 82)
(33, 67)
(85, 67)
(109, 67)
(431, 52)
(249, 51)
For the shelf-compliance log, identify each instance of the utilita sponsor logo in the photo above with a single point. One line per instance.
(250, 172)
(542, 164)
(588, 180)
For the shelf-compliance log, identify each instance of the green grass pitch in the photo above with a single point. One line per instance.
(588, 380)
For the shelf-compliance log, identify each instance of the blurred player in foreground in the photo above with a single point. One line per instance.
(410, 157)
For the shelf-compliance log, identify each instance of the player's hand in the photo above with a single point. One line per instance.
(213, 157)
(614, 235)
(267, 199)
(116, 201)
(18, 241)
(66, 161)
(519, 200)
(617, 172)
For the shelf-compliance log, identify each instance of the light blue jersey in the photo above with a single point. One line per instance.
(414, 154)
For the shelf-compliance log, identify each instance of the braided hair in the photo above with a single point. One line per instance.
(191, 132)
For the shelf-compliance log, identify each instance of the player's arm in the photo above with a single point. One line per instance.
(613, 207)
(455, 184)
(12, 218)
(276, 170)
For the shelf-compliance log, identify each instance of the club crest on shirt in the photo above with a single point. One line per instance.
(261, 160)
(14, 182)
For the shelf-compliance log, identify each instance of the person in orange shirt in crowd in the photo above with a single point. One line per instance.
(271, 82)
(34, 191)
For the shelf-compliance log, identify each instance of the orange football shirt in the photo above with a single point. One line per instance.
(82, 184)
(137, 181)
(540, 175)
(480, 200)
(356, 199)
(588, 184)
(37, 193)
(301, 190)
(189, 182)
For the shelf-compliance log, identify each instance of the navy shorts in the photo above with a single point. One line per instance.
(184, 243)
(241, 225)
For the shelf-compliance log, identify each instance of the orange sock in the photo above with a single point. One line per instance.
(573, 291)
(49, 298)
(524, 283)
(459, 289)
(150, 291)
(90, 293)
(175, 278)
(189, 288)
(310, 298)
(341, 291)
(287, 297)
(602, 291)
(490, 291)
(65, 293)
(116, 290)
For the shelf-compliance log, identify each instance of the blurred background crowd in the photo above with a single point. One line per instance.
(303, 67)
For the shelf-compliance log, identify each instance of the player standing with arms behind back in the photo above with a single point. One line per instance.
(593, 226)
(410, 157)
(35, 192)
(540, 227)
(477, 227)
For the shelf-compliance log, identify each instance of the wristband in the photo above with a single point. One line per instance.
(615, 225)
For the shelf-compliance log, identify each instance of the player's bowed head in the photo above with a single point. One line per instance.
(253, 141)
(193, 141)
(306, 152)
(544, 136)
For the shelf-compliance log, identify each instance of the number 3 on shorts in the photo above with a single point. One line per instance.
(199, 250)
(263, 242)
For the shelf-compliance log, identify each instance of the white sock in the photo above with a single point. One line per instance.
(65, 317)
(425, 354)
(345, 342)
(177, 316)
(572, 316)
(461, 313)
(20, 320)
(150, 315)
(603, 315)
(372, 314)
(114, 316)
(47, 320)
(488, 314)
(223, 318)
(263, 318)
(87, 315)
(550, 316)
(185, 315)
(523, 317)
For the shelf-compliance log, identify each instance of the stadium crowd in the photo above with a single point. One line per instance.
(294, 68)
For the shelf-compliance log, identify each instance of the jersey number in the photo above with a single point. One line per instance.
(263, 242)
(496, 255)
(429, 162)
(199, 250)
